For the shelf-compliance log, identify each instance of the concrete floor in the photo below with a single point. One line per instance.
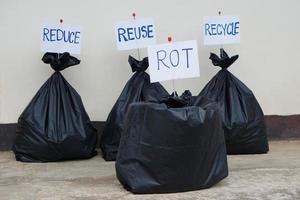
(273, 176)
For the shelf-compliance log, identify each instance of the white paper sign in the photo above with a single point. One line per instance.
(173, 61)
(221, 30)
(61, 38)
(135, 34)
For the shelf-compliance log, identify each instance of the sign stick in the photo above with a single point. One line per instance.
(173, 81)
(138, 49)
(58, 54)
(222, 42)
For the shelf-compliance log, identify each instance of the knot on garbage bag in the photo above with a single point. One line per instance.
(175, 101)
(137, 65)
(58, 61)
(224, 61)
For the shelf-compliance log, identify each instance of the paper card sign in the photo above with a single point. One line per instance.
(61, 38)
(135, 34)
(221, 30)
(173, 61)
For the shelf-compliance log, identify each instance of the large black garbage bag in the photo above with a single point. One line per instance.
(137, 89)
(243, 119)
(166, 149)
(55, 126)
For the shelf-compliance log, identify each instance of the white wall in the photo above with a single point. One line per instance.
(268, 63)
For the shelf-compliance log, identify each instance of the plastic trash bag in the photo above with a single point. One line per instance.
(55, 126)
(165, 148)
(243, 119)
(137, 89)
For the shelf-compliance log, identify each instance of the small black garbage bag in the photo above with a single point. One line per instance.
(243, 119)
(55, 126)
(137, 89)
(165, 148)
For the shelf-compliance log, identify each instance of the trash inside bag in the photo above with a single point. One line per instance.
(243, 119)
(166, 149)
(55, 126)
(137, 89)
(175, 101)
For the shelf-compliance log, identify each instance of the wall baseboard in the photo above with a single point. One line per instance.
(278, 128)
(283, 127)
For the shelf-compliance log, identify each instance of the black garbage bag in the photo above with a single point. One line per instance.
(243, 119)
(55, 126)
(137, 89)
(165, 148)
